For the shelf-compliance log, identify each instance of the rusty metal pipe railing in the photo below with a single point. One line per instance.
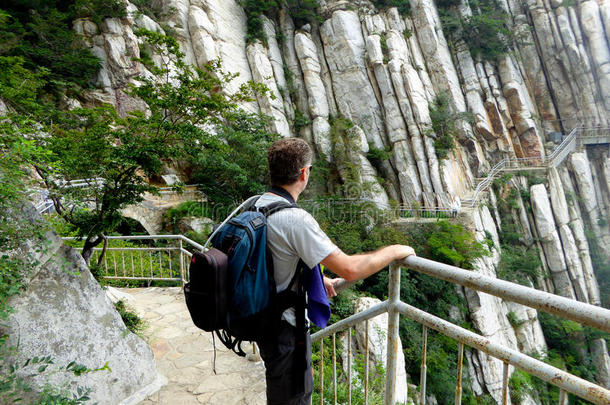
(393, 337)
(566, 308)
(537, 368)
(458, 388)
(580, 312)
(351, 321)
(424, 367)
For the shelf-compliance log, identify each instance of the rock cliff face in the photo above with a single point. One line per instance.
(383, 70)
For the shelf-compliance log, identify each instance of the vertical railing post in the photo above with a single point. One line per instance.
(181, 262)
(322, 372)
(366, 365)
(424, 366)
(392, 347)
(458, 389)
(505, 385)
(563, 398)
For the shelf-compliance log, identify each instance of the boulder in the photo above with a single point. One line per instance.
(65, 314)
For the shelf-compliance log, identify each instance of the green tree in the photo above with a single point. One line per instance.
(187, 110)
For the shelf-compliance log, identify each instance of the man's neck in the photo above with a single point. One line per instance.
(292, 189)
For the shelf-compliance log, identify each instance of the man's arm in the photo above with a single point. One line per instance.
(357, 267)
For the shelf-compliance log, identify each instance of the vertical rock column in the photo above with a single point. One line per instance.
(270, 103)
(581, 168)
(593, 27)
(551, 243)
(403, 160)
(444, 77)
(344, 48)
(316, 94)
(580, 281)
(319, 110)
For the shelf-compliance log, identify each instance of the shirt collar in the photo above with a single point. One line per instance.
(282, 193)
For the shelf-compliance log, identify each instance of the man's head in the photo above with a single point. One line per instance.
(288, 160)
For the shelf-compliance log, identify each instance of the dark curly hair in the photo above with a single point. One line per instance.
(286, 158)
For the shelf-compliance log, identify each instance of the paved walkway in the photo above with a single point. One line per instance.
(184, 355)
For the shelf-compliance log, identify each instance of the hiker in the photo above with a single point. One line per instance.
(456, 205)
(296, 241)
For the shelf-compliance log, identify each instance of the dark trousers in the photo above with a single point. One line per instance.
(288, 366)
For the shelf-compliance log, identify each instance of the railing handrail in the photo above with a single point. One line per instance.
(577, 311)
(570, 309)
(146, 237)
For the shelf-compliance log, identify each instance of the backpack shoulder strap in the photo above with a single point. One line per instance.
(275, 207)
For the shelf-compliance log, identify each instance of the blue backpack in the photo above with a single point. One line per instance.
(232, 290)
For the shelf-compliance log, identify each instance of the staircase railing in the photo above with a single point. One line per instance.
(586, 314)
(553, 160)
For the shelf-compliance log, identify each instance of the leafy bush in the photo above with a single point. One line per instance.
(377, 156)
(132, 320)
(444, 129)
(301, 11)
(485, 32)
(519, 264)
(403, 6)
(567, 343)
(42, 36)
(520, 384)
(300, 120)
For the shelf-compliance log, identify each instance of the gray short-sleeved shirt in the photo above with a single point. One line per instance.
(293, 234)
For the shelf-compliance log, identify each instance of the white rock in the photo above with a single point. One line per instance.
(558, 198)
(85, 27)
(3, 108)
(551, 243)
(598, 43)
(65, 314)
(344, 48)
(321, 136)
(575, 268)
(529, 332)
(201, 32)
(112, 26)
(377, 342)
(144, 21)
(262, 72)
(308, 57)
(115, 295)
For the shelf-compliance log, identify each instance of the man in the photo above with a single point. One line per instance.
(294, 237)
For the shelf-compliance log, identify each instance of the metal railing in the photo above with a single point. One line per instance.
(166, 258)
(585, 314)
(146, 257)
(577, 137)
(366, 205)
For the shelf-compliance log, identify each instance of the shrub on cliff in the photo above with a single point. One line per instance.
(301, 11)
(485, 32)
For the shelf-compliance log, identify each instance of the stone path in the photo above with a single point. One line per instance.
(184, 355)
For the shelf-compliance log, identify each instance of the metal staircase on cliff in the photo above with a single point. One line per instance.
(579, 137)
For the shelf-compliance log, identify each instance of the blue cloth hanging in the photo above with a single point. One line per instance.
(318, 307)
